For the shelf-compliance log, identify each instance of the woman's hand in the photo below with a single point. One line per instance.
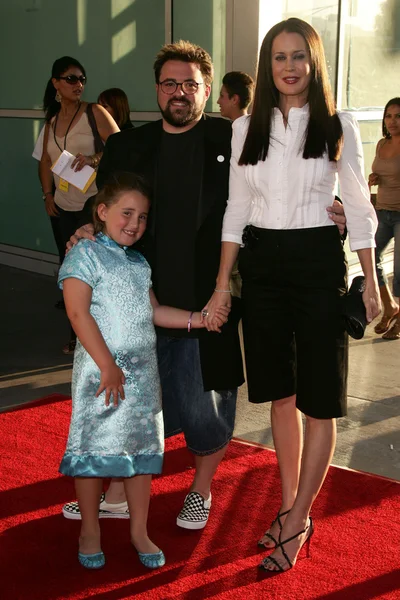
(112, 380)
(216, 311)
(80, 161)
(50, 206)
(373, 179)
(372, 300)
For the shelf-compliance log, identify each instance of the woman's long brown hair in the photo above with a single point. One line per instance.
(324, 132)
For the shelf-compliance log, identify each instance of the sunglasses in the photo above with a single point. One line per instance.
(73, 79)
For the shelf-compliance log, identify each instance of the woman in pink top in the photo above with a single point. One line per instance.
(386, 175)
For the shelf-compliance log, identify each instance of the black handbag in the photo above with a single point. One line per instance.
(353, 309)
(98, 142)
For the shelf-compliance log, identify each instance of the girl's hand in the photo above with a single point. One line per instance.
(198, 321)
(217, 309)
(50, 206)
(112, 380)
(80, 161)
(373, 179)
(372, 300)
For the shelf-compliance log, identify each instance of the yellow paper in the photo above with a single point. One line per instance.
(63, 185)
(89, 183)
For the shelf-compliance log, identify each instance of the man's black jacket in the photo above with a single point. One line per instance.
(136, 150)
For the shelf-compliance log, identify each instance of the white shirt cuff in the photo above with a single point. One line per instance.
(361, 245)
(231, 237)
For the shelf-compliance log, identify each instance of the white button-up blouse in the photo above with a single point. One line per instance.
(288, 192)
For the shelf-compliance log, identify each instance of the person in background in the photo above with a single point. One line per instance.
(236, 95)
(386, 175)
(285, 158)
(68, 128)
(115, 101)
(55, 220)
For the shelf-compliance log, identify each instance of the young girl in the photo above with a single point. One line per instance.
(116, 426)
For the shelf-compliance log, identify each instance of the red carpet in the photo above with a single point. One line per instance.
(355, 551)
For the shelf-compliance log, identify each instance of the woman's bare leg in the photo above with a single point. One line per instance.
(287, 431)
(319, 445)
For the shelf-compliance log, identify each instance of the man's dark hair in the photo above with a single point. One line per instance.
(240, 83)
(185, 52)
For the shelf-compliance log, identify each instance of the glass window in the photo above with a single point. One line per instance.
(371, 133)
(371, 54)
(24, 221)
(116, 41)
(204, 23)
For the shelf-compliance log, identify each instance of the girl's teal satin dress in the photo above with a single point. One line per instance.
(127, 439)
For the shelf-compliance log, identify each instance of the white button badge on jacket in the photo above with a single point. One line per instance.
(220, 158)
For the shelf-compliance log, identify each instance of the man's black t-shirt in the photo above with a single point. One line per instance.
(178, 187)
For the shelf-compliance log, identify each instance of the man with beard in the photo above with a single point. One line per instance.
(185, 156)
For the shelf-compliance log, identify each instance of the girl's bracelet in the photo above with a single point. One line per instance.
(222, 291)
(189, 325)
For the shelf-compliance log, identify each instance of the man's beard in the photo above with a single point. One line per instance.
(181, 117)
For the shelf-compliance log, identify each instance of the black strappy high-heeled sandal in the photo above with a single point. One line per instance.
(306, 544)
(269, 535)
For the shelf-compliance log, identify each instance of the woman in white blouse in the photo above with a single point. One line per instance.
(285, 158)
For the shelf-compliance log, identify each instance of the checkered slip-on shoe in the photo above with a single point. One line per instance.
(195, 511)
(106, 511)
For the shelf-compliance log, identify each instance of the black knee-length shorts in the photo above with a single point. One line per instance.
(294, 338)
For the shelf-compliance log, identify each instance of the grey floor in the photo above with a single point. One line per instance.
(32, 333)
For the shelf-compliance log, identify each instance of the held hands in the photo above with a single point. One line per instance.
(336, 213)
(371, 299)
(373, 179)
(86, 232)
(50, 206)
(80, 161)
(112, 380)
(216, 312)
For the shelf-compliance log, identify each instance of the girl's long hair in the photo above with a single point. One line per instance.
(391, 102)
(118, 100)
(324, 132)
(60, 66)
